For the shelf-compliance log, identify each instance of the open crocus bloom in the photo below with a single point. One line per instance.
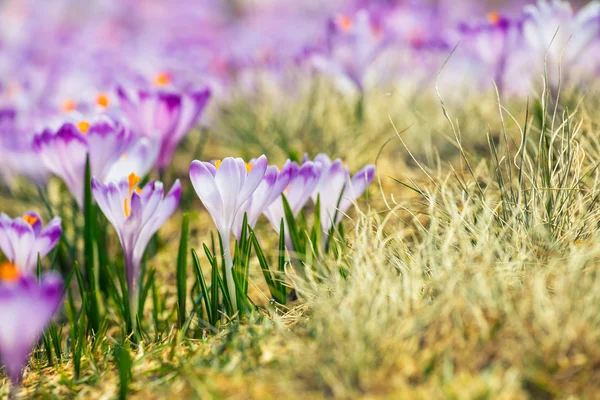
(107, 141)
(23, 238)
(336, 190)
(26, 307)
(163, 117)
(269, 190)
(223, 187)
(304, 179)
(136, 214)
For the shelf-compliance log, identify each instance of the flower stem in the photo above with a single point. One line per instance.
(229, 271)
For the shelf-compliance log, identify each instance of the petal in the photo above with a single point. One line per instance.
(22, 238)
(253, 179)
(163, 212)
(227, 180)
(48, 237)
(206, 188)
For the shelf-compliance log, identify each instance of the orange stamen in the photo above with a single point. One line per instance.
(162, 79)
(217, 164)
(30, 219)
(345, 22)
(69, 105)
(83, 126)
(9, 272)
(249, 167)
(102, 100)
(494, 18)
(133, 181)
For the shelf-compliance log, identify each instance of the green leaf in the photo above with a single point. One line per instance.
(296, 238)
(214, 286)
(124, 363)
(202, 282)
(88, 246)
(182, 271)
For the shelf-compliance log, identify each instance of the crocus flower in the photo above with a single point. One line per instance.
(15, 148)
(304, 179)
(269, 190)
(136, 214)
(223, 187)
(106, 141)
(26, 307)
(493, 43)
(555, 34)
(23, 238)
(163, 117)
(337, 190)
(353, 45)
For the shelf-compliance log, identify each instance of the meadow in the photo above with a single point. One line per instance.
(424, 237)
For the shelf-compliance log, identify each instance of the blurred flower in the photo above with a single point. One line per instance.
(337, 190)
(353, 45)
(26, 307)
(223, 187)
(136, 214)
(304, 179)
(269, 190)
(23, 238)
(556, 36)
(107, 141)
(163, 117)
(494, 42)
(18, 159)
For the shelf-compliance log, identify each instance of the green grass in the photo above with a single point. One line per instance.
(471, 269)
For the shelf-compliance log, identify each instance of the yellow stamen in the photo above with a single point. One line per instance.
(249, 167)
(162, 79)
(217, 164)
(69, 105)
(345, 22)
(102, 100)
(83, 126)
(9, 272)
(30, 219)
(133, 181)
(494, 18)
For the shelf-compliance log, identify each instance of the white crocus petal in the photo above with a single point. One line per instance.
(228, 183)
(205, 185)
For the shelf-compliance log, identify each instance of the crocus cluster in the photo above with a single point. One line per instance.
(232, 189)
(27, 303)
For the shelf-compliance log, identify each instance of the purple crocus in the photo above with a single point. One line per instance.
(136, 214)
(23, 238)
(337, 190)
(26, 307)
(163, 117)
(106, 141)
(493, 43)
(223, 188)
(268, 191)
(353, 45)
(304, 179)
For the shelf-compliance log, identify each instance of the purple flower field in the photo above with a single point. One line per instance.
(245, 199)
